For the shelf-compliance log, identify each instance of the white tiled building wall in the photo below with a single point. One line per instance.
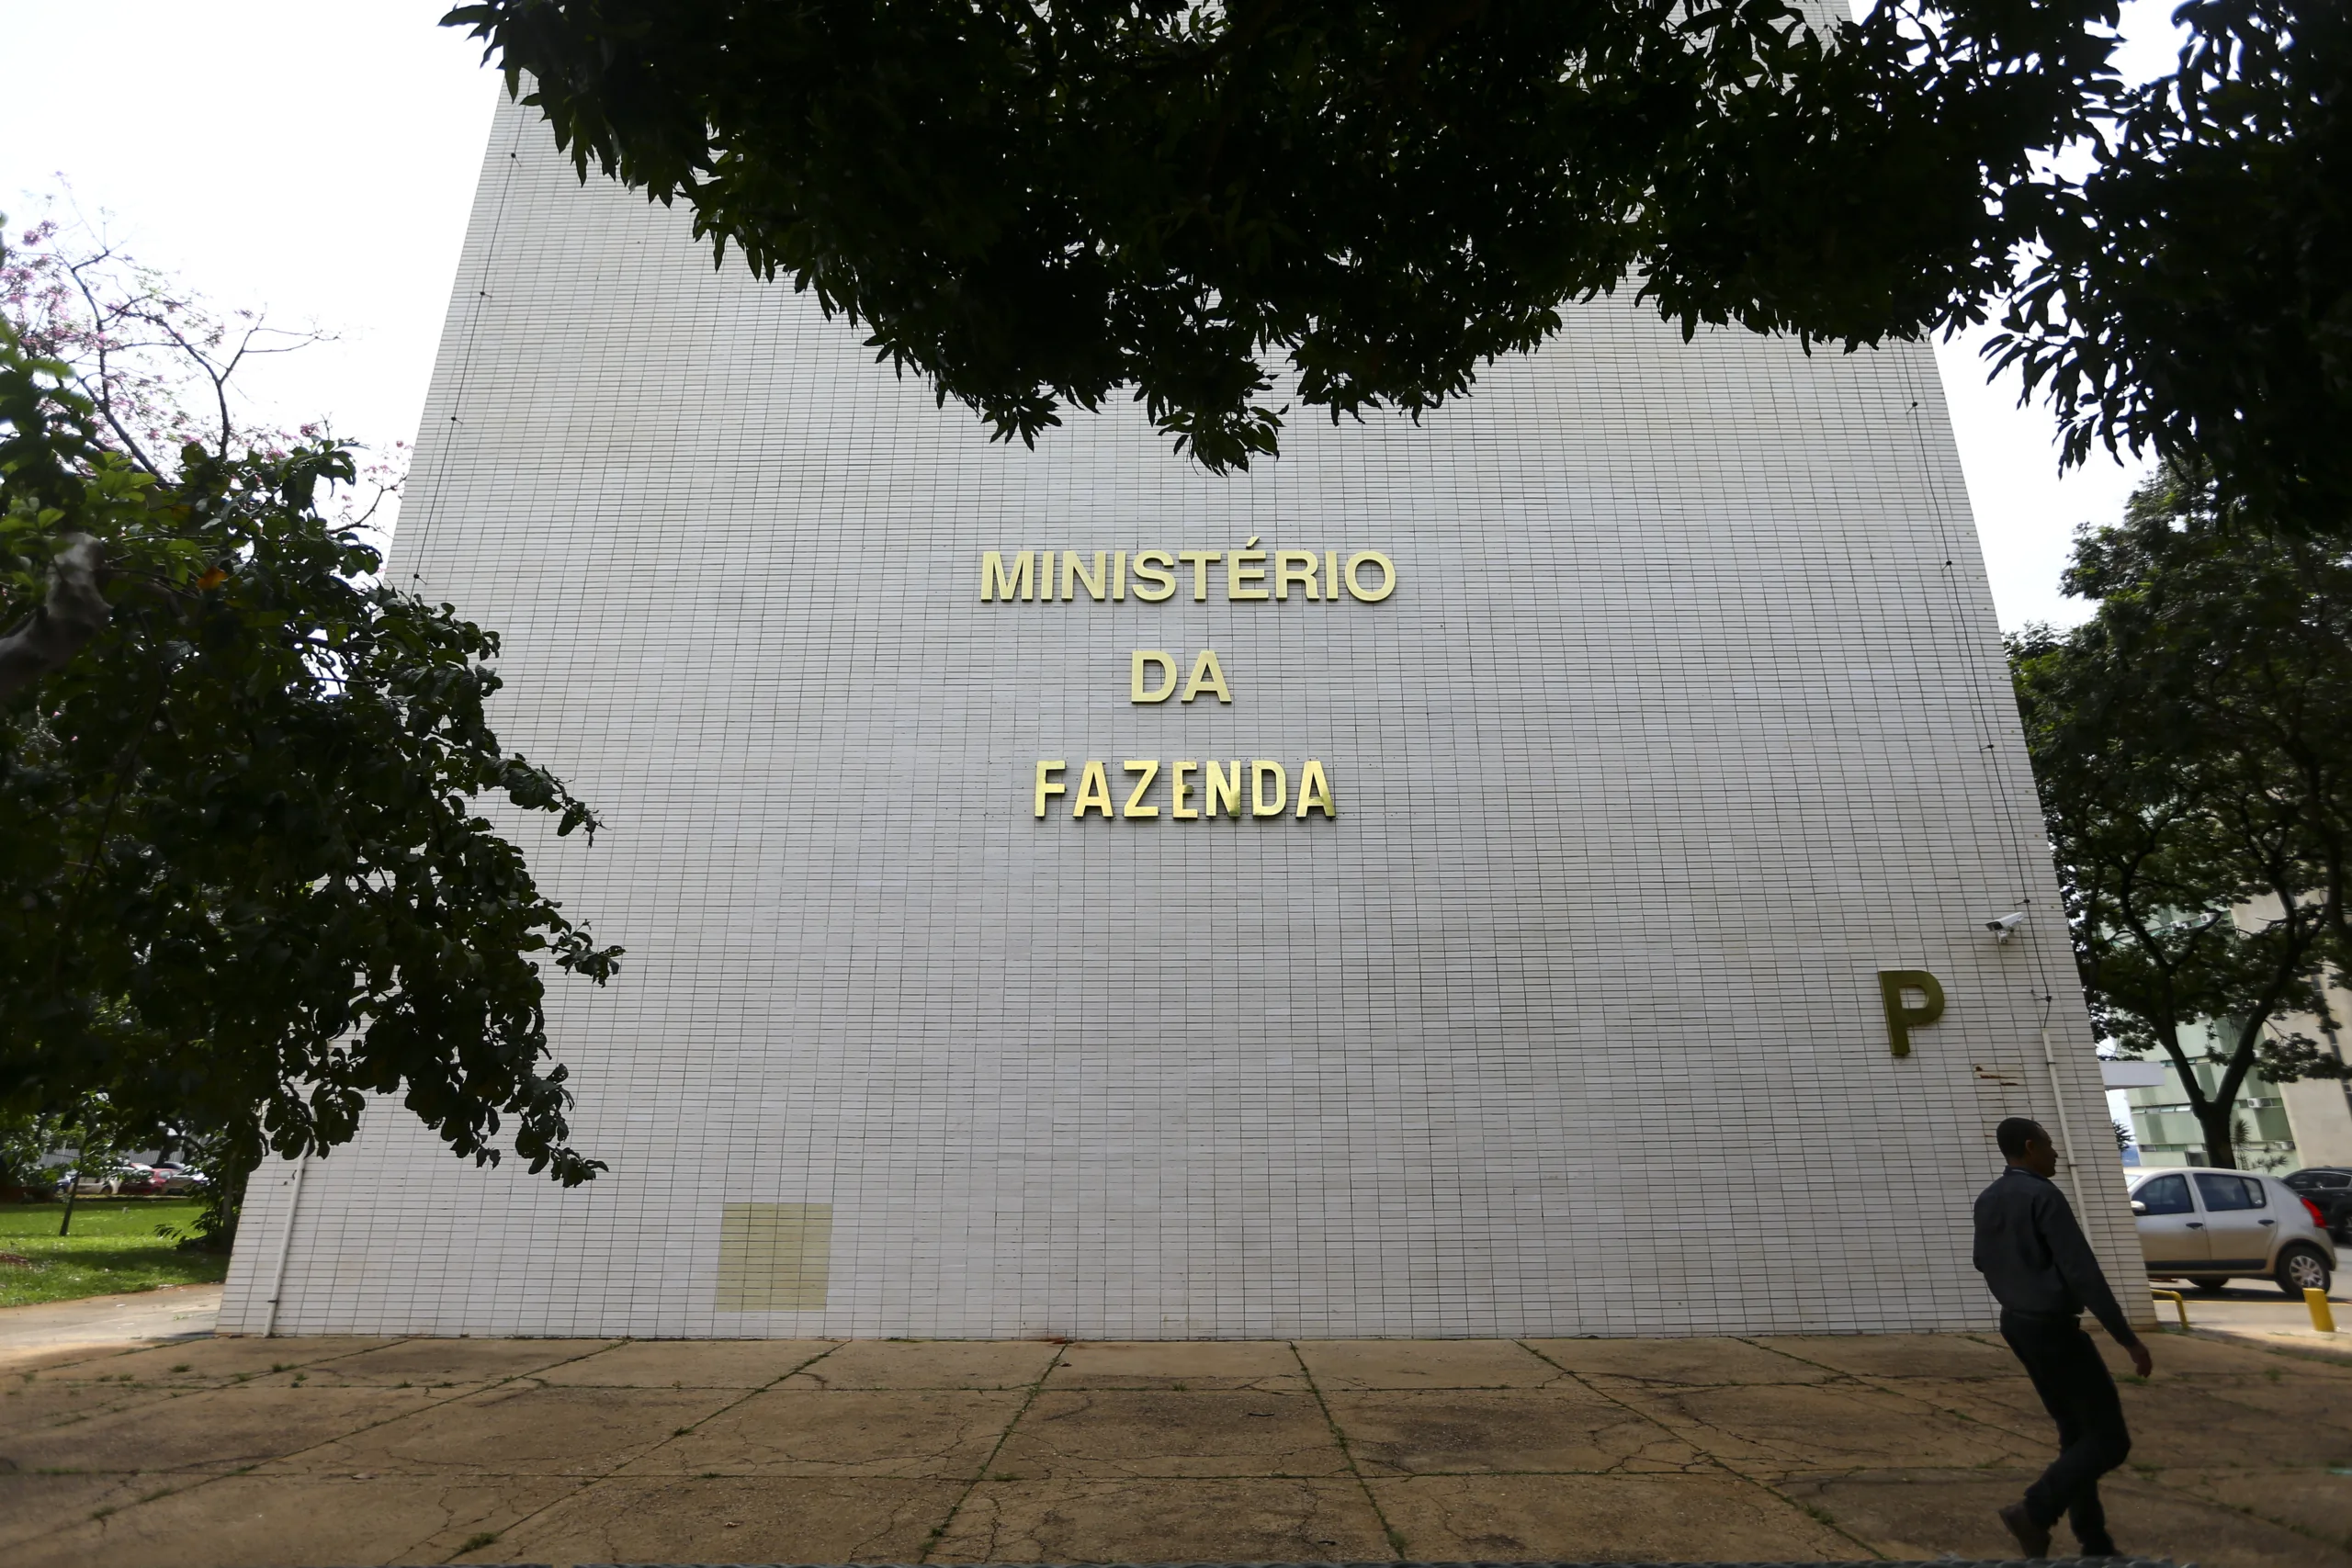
(1687, 719)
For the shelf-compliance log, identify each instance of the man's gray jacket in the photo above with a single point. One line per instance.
(2034, 1256)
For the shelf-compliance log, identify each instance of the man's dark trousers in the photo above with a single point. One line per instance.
(2080, 1396)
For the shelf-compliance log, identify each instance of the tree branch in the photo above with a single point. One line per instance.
(103, 391)
(74, 613)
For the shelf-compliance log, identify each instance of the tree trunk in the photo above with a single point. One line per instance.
(230, 1160)
(74, 613)
(2217, 1118)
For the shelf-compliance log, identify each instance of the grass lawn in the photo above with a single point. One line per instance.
(114, 1249)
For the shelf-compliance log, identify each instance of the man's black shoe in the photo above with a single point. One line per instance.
(2034, 1538)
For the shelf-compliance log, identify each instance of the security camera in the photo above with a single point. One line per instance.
(2004, 927)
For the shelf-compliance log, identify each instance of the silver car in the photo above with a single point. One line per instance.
(2211, 1226)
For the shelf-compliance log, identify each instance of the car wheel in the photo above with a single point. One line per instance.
(2211, 1284)
(2302, 1269)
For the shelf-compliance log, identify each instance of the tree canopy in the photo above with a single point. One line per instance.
(1038, 205)
(2192, 742)
(243, 882)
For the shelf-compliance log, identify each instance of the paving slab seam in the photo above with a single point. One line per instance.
(591, 1482)
(1954, 1411)
(163, 1394)
(939, 1531)
(1819, 1517)
(1640, 1415)
(115, 1352)
(2193, 1490)
(148, 1393)
(198, 1483)
(1757, 1342)
(2152, 1477)
(394, 1343)
(1885, 1383)
(1395, 1537)
(1791, 1457)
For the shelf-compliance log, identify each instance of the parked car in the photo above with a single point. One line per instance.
(127, 1180)
(2211, 1226)
(179, 1180)
(2328, 1188)
(132, 1180)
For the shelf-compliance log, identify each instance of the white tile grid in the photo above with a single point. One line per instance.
(1674, 733)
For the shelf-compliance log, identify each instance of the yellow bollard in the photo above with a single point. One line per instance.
(2179, 1305)
(2323, 1316)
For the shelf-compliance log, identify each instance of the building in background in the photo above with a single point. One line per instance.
(1524, 872)
(2283, 1127)
(2165, 1133)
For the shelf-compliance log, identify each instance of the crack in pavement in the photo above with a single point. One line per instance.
(590, 1482)
(1720, 1462)
(939, 1532)
(104, 1519)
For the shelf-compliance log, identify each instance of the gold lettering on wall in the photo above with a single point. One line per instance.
(1293, 566)
(1046, 784)
(995, 585)
(1225, 790)
(1314, 790)
(1267, 782)
(1149, 770)
(1074, 567)
(1093, 790)
(1208, 675)
(1251, 576)
(1161, 575)
(1248, 566)
(1387, 576)
(1262, 801)
(1145, 659)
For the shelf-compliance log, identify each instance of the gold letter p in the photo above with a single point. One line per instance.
(1901, 1018)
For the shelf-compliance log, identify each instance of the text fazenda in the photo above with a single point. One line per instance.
(1224, 789)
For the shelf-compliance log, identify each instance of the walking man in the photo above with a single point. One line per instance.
(2033, 1257)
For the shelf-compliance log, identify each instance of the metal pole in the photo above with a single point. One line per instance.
(2066, 1131)
(285, 1246)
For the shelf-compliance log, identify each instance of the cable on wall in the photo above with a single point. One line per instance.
(469, 338)
(1982, 707)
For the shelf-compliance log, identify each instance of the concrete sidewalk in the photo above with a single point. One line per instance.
(321, 1451)
(2260, 1316)
(176, 1312)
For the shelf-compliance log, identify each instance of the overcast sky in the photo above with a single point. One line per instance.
(318, 158)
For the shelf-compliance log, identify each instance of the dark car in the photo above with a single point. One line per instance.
(2329, 1189)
